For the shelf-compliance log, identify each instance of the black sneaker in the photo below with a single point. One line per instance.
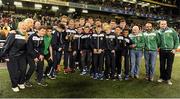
(42, 83)
(28, 84)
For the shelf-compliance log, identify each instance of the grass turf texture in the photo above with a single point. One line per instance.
(74, 85)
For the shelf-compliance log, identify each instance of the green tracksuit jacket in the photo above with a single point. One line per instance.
(168, 39)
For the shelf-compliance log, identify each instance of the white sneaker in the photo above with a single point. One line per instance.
(169, 82)
(16, 89)
(151, 79)
(21, 86)
(136, 76)
(160, 80)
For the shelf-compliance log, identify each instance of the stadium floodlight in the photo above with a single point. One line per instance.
(1, 2)
(71, 10)
(130, 1)
(145, 4)
(55, 8)
(84, 11)
(18, 4)
(154, 6)
(38, 6)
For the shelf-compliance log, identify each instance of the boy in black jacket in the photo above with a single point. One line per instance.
(98, 46)
(109, 53)
(85, 51)
(68, 48)
(77, 47)
(125, 52)
(118, 51)
(57, 46)
(35, 48)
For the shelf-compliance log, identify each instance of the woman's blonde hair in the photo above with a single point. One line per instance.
(24, 33)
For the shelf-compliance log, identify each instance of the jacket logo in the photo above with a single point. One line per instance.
(120, 38)
(127, 40)
(35, 38)
(20, 37)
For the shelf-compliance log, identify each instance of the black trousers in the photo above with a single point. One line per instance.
(118, 61)
(166, 63)
(109, 63)
(98, 62)
(39, 69)
(1, 58)
(126, 55)
(50, 64)
(17, 69)
(77, 57)
(31, 68)
(92, 68)
(68, 60)
(86, 59)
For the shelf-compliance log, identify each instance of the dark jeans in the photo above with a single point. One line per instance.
(56, 61)
(166, 63)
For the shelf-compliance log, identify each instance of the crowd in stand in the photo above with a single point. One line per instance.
(133, 7)
(92, 46)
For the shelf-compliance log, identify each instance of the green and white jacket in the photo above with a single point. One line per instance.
(138, 40)
(151, 40)
(168, 39)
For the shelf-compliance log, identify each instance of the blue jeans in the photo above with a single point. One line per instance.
(150, 61)
(135, 56)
